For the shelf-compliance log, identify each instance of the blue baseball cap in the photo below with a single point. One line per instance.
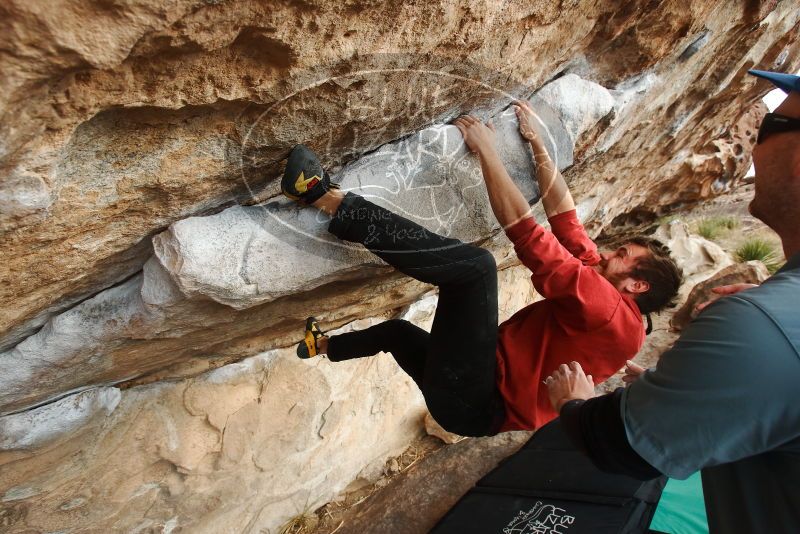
(785, 82)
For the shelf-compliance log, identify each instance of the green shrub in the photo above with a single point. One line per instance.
(729, 222)
(666, 219)
(713, 227)
(757, 248)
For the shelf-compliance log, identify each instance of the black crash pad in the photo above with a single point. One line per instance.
(548, 487)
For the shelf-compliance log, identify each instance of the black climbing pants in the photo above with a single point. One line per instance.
(453, 365)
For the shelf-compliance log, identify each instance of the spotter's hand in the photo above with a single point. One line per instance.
(722, 291)
(567, 383)
(632, 372)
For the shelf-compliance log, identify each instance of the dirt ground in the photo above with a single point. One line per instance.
(732, 205)
(332, 516)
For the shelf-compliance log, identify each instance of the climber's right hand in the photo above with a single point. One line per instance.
(526, 117)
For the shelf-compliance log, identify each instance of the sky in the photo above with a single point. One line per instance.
(774, 98)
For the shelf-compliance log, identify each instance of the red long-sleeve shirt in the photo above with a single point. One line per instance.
(583, 318)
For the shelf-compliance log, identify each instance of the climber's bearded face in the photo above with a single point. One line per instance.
(777, 184)
(617, 265)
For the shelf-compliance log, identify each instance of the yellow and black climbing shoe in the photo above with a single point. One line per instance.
(304, 178)
(308, 347)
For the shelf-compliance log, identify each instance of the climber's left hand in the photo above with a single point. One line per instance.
(479, 137)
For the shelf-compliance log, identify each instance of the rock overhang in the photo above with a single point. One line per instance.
(684, 66)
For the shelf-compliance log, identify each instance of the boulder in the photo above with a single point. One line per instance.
(696, 256)
(148, 308)
(751, 272)
(249, 256)
(252, 443)
(258, 442)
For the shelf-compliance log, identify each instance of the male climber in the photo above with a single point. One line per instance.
(477, 378)
(724, 399)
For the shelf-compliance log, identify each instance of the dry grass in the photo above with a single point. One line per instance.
(714, 227)
(301, 524)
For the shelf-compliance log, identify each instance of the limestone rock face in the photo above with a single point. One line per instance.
(251, 443)
(149, 293)
(697, 257)
(119, 120)
(34, 429)
(580, 105)
(245, 257)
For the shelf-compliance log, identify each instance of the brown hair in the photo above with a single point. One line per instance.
(660, 271)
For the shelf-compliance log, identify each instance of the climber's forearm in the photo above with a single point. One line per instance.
(508, 203)
(556, 197)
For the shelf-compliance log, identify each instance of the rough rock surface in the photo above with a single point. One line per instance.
(251, 443)
(751, 272)
(215, 94)
(244, 257)
(34, 429)
(125, 121)
(415, 501)
(696, 256)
